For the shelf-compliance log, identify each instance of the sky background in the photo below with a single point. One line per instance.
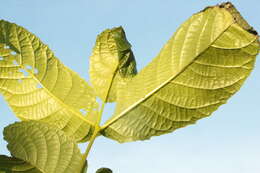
(227, 142)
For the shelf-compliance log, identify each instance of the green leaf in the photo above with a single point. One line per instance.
(37, 86)
(112, 62)
(13, 165)
(201, 66)
(104, 170)
(44, 147)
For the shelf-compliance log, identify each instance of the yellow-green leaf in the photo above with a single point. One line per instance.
(111, 63)
(37, 86)
(44, 147)
(14, 165)
(201, 66)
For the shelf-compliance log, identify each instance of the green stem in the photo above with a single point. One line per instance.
(85, 155)
(95, 134)
(97, 126)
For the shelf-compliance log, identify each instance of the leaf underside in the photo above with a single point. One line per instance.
(13, 165)
(200, 67)
(111, 63)
(37, 86)
(40, 148)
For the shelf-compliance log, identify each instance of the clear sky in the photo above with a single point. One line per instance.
(227, 142)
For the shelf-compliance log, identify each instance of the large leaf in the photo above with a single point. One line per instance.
(111, 63)
(37, 86)
(13, 165)
(200, 67)
(44, 147)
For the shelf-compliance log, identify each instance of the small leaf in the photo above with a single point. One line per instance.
(44, 147)
(200, 68)
(104, 170)
(37, 86)
(111, 63)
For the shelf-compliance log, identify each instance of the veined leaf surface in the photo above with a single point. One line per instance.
(200, 67)
(37, 86)
(111, 63)
(13, 165)
(44, 147)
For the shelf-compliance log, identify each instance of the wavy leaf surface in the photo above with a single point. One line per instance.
(200, 67)
(37, 86)
(112, 62)
(44, 147)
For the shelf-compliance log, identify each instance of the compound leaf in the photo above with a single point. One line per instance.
(201, 66)
(111, 63)
(42, 148)
(37, 86)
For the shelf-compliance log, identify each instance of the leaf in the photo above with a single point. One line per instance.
(37, 86)
(104, 170)
(13, 165)
(200, 67)
(111, 63)
(43, 146)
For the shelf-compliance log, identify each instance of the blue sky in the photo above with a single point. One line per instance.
(228, 141)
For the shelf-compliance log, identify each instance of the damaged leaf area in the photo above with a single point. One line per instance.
(37, 86)
(203, 64)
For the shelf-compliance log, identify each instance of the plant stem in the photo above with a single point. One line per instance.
(92, 139)
(97, 126)
(95, 134)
